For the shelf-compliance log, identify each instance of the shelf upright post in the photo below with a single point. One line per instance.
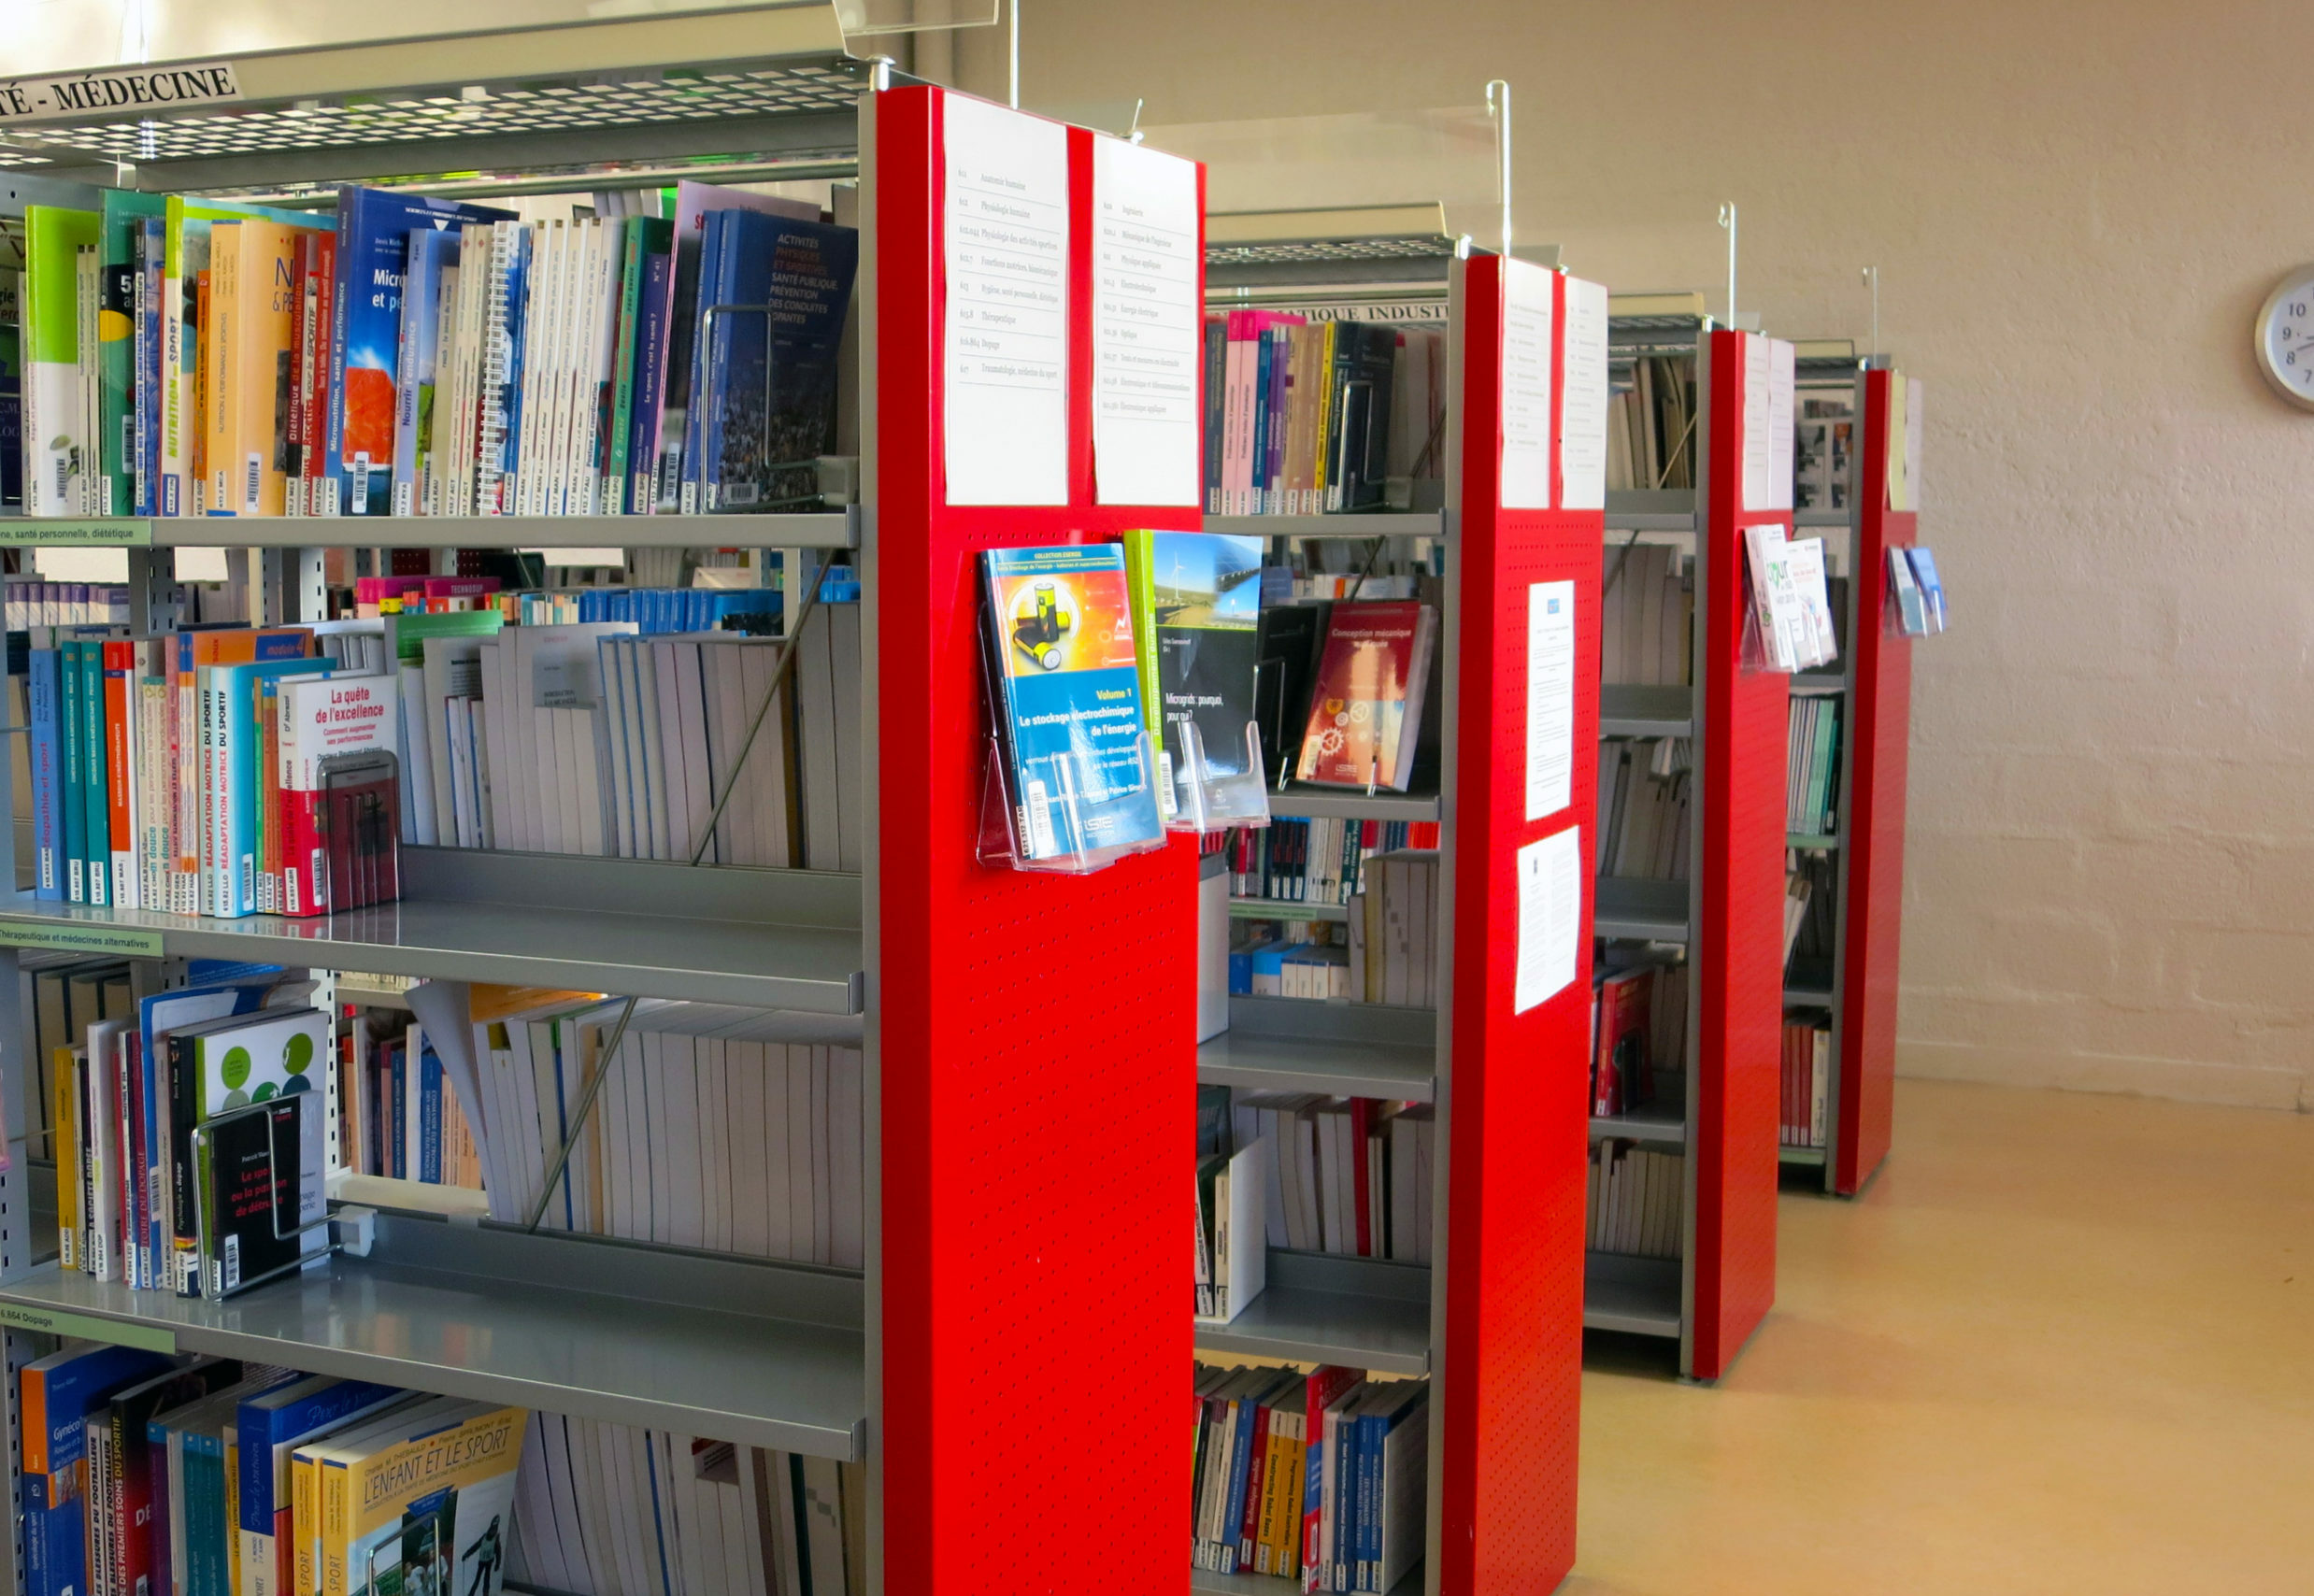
(1031, 1038)
(1880, 708)
(1508, 1255)
(1736, 941)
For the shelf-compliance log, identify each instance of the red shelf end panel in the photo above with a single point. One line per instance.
(1511, 1368)
(1034, 1035)
(1874, 864)
(1738, 951)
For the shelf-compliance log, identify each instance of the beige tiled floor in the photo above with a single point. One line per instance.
(2065, 1343)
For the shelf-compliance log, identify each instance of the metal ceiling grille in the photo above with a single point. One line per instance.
(1308, 252)
(557, 107)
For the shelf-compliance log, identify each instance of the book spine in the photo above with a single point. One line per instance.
(302, 340)
(120, 774)
(73, 805)
(96, 786)
(616, 465)
(320, 493)
(1257, 478)
(140, 390)
(40, 694)
(184, 1112)
(650, 352)
(331, 482)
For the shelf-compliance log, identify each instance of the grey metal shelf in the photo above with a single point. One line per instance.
(1345, 1049)
(758, 1354)
(1650, 510)
(1379, 523)
(1808, 983)
(1300, 803)
(1656, 1123)
(1818, 681)
(1809, 842)
(767, 938)
(1645, 911)
(1639, 1296)
(1357, 1312)
(1803, 1158)
(832, 529)
(1825, 519)
(1628, 710)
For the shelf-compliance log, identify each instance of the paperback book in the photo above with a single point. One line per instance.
(1197, 605)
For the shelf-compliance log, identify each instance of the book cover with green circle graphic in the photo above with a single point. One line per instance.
(226, 1064)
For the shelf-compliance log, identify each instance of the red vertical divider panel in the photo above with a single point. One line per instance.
(1738, 949)
(1033, 1034)
(1516, 1083)
(1874, 863)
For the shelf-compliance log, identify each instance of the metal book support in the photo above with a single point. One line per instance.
(204, 1137)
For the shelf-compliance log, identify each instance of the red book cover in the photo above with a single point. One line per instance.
(1622, 1059)
(1361, 1127)
(1365, 706)
(120, 673)
(301, 341)
(1325, 1383)
(460, 587)
(321, 296)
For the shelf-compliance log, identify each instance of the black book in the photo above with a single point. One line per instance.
(1365, 360)
(1287, 645)
(264, 1183)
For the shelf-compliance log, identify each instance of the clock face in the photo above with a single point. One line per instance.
(2285, 339)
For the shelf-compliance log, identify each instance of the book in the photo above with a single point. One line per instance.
(218, 1066)
(270, 1425)
(771, 375)
(60, 444)
(426, 1507)
(1197, 605)
(1367, 696)
(1063, 682)
(261, 1183)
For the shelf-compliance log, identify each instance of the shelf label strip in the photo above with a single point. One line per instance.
(86, 1327)
(120, 531)
(74, 936)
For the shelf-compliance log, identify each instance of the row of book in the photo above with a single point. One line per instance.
(32, 602)
(1383, 950)
(144, 1471)
(1646, 617)
(1316, 861)
(1637, 1200)
(1806, 1063)
(1639, 1030)
(415, 356)
(1320, 1478)
(1646, 793)
(1348, 1175)
(398, 1111)
(1812, 776)
(1823, 444)
(1812, 924)
(1650, 425)
(1301, 416)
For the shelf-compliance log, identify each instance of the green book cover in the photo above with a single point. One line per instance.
(647, 236)
(406, 634)
(184, 256)
(58, 461)
(1827, 755)
(116, 350)
(1141, 592)
(96, 824)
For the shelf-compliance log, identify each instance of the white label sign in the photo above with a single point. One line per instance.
(1912, 443)
(1582, 405)
(1550, 697)
(1146, 328)
(1758, 380)
(1005, 250)
(1526, 387)
(1781, 402)
(117, 89)
(1551, 911)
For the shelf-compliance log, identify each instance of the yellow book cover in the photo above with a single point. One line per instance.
(305, 1522)
(67, 1130)
(233, 1511)
(421, 1513)
(253, 310)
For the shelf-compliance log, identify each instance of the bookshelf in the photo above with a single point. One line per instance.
(1856, 985)
(1494, 1320)
(992, 1246)
(1720, 928)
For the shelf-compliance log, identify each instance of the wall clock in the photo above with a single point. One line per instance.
(2284, 336)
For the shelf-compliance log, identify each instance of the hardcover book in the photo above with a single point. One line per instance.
(771, 376)
(1365, 706)
(1064, 683)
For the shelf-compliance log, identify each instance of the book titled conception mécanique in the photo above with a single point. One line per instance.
(1065, 682)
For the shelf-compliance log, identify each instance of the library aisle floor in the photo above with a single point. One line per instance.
(2065, 1343)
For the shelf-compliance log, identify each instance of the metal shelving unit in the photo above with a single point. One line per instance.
(1343, 1049)
(1295, 801)
(836, 529)
(1642, 911)
(1321, 1308)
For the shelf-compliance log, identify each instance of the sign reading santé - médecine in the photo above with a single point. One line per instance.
(118, 89)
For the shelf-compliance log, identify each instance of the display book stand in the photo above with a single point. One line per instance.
(1022, 1178)
(1494, 1320)
(1728, 916)
(1857, 985)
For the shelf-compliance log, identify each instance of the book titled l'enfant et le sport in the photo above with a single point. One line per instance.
(1065, 680)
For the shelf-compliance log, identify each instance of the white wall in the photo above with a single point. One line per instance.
(2076, 210)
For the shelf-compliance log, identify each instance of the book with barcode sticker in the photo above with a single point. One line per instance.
(1064, 683)
(262, 1185)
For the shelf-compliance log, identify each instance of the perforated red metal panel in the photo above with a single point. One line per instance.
(1874, 863)
(1738, 948)
(1035, 1034)
(1511, 1366)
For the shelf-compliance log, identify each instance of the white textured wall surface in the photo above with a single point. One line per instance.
(2076, 210)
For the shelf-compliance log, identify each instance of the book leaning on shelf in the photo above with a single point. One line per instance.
(419, 356)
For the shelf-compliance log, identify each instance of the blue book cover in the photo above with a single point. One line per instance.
(1240, 1473)
(207, 1571)
(373, 253)
(1931, 588)
(229, 704)
(710, 293)
(157, 1526)
(55, 1549)
(75, 823)
(1066, 680)
(397, 1089)
(514, 290)
(430, 250)
(1371, 1429)
(651, 383)
(429, 1117)
(771, 378)
(48, 840)
(1260, 452)
(271, 1424)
